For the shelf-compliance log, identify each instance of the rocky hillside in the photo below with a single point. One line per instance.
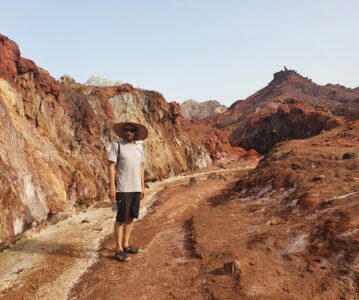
(55, 136)
(289, 107)
(303, 197)
(216, 141)
(194, 110)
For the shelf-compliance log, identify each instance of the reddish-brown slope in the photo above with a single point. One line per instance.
(312, 188)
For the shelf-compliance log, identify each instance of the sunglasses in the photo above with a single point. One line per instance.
(132, 130)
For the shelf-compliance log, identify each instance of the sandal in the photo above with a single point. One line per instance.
(122, 256)
(132, 250)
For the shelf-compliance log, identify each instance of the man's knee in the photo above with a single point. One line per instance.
(119, 223)
(129, 221)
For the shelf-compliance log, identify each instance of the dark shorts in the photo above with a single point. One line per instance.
(128, 205)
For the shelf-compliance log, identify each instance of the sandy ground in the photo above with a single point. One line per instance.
(51, 263)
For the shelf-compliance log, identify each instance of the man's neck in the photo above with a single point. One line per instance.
(129, 142)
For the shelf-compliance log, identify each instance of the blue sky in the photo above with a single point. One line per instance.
(224, 50)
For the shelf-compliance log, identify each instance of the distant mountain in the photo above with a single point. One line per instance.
(96, 80)
(289, 107)
(194, 110)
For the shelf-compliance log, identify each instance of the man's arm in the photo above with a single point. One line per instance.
(143, 180)
(112, 181)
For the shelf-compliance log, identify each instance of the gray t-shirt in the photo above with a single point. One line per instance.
(128, 172)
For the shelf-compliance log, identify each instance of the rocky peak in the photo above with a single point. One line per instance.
(66, 79)
(194, 110)
(287, 75)
(96, 80)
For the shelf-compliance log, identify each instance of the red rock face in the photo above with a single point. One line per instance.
(9, 59)
(290, 119)
(215, 141)
(13, 66)
(290, 107)
(55, 137)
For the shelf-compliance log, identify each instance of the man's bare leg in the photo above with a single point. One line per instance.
(118, 230)
(127, 232)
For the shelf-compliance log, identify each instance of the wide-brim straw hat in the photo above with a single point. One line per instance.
(141, 132)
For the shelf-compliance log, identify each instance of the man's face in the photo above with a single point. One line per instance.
(130, 132)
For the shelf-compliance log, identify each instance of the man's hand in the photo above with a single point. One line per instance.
(142, 180)
(143, 193)
(112, 193)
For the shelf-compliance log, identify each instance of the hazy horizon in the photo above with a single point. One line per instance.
(200, 50)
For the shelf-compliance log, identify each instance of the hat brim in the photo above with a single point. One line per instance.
(141, 132)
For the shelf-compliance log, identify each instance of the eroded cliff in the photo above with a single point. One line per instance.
(55, 136)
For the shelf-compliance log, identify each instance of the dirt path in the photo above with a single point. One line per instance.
(169, 263)
(48, 264)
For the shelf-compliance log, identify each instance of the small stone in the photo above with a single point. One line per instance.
(212, 176)
(193, 180)
(60, 217)
(33, 224)
(318, 178)
(272, 222)
(350, 155)
(232, 267)
(85, 221)
(293, 203)
(295, 166)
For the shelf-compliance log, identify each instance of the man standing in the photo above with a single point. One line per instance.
(127, 186)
